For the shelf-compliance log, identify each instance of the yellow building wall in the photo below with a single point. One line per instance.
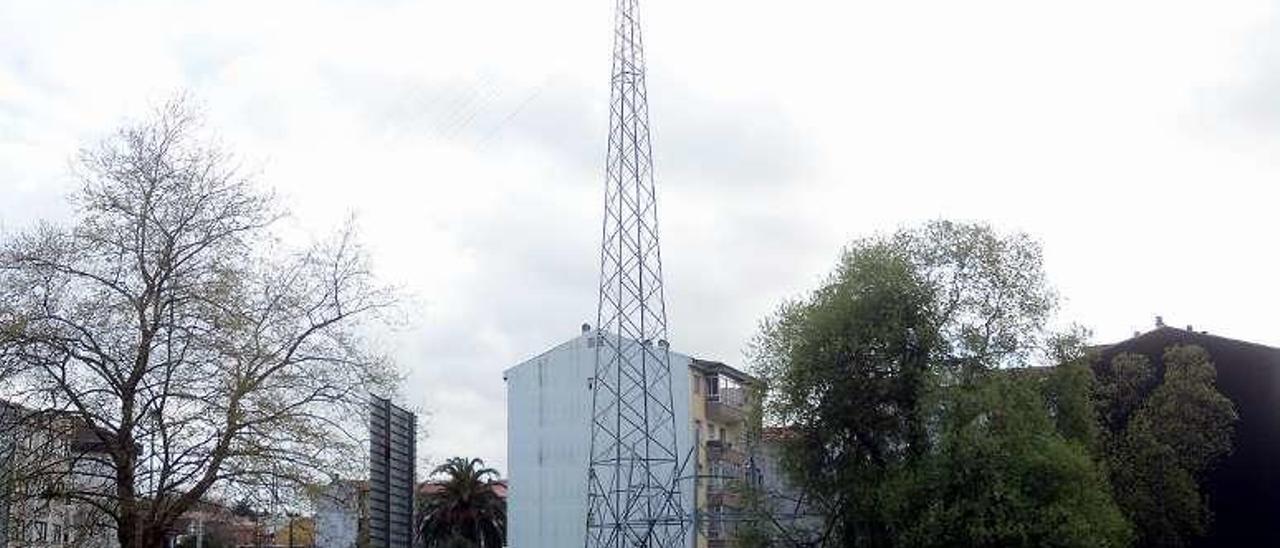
(706, 429)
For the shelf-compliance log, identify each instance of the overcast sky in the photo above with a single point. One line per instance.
(1138, 140)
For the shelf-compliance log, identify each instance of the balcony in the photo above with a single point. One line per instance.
(727, 405)
(725, 474)
(723, 451)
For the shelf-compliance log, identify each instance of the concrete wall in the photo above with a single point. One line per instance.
(548, 441)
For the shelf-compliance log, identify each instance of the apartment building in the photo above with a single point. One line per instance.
(720, 406)
(44, 456)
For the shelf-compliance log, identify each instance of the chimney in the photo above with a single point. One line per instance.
(586, 328)
(1159, 321)
(1189, 328)
(662, 343)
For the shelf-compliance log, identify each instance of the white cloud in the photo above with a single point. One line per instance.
(468, 137)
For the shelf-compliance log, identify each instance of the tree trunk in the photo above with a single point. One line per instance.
(135, 533)
(130, 518)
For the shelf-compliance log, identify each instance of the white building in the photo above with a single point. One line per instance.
(43, 456)
(549, 438)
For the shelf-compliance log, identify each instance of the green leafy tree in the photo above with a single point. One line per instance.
(989, 299)
(880, 375)
(1002, 475)
(1069, 394)
(465, 511)
(1162, 438)
(848, 372)
(1187, 413)
(1124, 384)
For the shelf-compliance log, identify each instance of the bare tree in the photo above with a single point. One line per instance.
(200, 354)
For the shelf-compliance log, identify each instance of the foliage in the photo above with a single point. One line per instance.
(847, 371)
(1001, 475)
(1123, 385)
(1162, 439)
(755, 529)
(914, 421)
(466, 511)
(1187, 413)
(200, 355)
(989, 299)
(1069, 394)
(901, 431)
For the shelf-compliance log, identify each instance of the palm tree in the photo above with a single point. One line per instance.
(462, 509)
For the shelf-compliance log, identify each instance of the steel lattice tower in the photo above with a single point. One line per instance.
(633, 498)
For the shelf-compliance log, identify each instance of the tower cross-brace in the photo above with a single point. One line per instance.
(633, 497)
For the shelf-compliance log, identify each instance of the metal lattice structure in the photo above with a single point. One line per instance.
(633, 497)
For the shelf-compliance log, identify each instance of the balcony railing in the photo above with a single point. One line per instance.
(727, 405)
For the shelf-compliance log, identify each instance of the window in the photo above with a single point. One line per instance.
(36, 531)
(697, 384)
(697, 428)
(722, 433)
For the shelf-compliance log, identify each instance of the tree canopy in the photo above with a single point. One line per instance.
(461, 507)
(1162, 436)
(913, 385)
(201, 355)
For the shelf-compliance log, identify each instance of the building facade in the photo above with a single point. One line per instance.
(43, 457)
(720, 406)
(548, 443)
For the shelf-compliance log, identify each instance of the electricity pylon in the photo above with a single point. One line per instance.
(633, 498)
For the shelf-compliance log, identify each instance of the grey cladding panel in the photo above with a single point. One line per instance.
(392, 454)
